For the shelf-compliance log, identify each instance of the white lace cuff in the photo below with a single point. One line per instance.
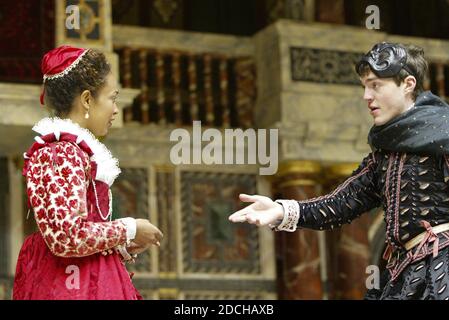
(291, 216)
(131, 228)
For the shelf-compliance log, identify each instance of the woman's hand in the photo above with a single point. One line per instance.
(262, 212)
(147, 234)
(134, 248)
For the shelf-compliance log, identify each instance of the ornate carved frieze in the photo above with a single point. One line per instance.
(323, 66)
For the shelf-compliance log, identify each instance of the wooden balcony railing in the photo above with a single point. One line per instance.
(178, 87)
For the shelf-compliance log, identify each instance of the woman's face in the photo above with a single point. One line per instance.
(103, 108)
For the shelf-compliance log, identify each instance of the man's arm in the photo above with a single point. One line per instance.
(356, 195)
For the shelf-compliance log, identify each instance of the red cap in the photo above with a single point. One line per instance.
(59, 61)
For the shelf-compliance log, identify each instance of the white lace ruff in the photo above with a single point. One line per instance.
(107, 166)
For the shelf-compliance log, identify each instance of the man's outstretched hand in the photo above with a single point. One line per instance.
(262, 212)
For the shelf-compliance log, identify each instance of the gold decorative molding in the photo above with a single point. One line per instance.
(299, 167)
(168, 293)
(165, 168)
(341, 170)
(298, 183)
(167, 275)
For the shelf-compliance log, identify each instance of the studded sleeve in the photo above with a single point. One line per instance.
(350, 199)
(56, 187)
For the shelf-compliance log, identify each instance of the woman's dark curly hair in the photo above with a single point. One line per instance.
(90, 74)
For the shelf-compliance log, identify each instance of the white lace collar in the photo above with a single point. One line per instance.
(107, 166)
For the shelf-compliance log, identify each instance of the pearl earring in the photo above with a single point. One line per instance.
(86, 116)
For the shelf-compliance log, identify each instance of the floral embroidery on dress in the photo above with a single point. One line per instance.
(59, 167)
(58, 198)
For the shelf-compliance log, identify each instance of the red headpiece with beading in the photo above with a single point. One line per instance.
(59, 62)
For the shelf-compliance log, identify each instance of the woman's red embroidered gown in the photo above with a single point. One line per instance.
(64, 181)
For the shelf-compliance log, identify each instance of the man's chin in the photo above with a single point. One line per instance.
(379, 122)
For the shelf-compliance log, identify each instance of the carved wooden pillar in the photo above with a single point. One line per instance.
(193, 85)
(298, 257)
(349, 249)
(125, 72)
(144, 94)
(208, 95)
(245, 90)
(224, 91)
(160, 94)
(177, 91)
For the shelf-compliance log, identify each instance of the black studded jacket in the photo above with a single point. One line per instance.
(407, 175)
(410, 188)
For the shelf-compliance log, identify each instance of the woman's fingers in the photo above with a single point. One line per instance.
(108, 251)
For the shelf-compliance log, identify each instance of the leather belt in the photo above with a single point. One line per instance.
(417, 240)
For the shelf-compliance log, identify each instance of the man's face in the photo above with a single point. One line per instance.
(386, 100)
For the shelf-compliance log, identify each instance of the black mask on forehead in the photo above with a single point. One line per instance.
(385, 60)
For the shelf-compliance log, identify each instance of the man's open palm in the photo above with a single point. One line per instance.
(263, 211)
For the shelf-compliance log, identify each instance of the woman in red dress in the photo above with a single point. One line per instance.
(78, 252)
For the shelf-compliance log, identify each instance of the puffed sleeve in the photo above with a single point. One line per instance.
(56, 187)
